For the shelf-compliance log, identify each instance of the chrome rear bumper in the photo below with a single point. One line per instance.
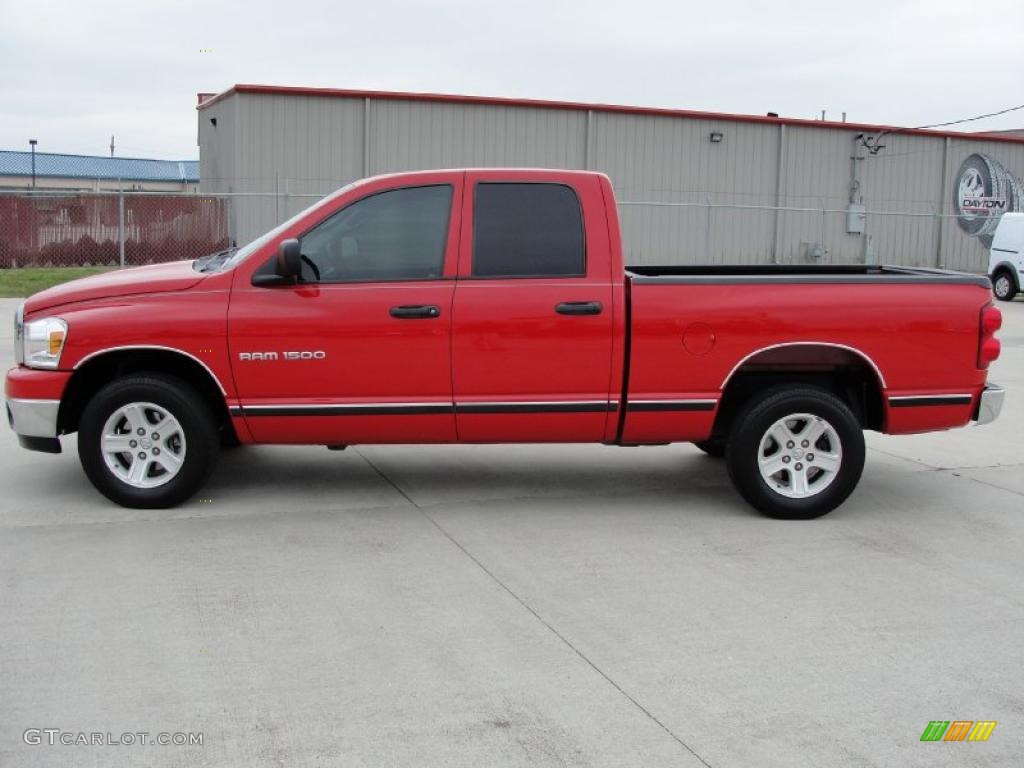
(990, 404)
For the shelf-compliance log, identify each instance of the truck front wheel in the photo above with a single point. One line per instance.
(795, 453)
(147, 441)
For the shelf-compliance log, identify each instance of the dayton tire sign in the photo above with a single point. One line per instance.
(982, 192)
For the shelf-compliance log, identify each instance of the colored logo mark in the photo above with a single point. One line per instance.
(958, 730)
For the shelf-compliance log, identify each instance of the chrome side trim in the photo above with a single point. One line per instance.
(104, 351)
(906, 401)
(347, 406)
(929, 397)
(356, 409)
(859, 353)
(696, 404)
(537, 406)
(530, 402)
(990, 404)
(33, 418)
(677, 401)
(408, 409)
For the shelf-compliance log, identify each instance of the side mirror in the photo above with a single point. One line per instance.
(289, 259)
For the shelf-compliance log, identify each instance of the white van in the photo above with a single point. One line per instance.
(1006, 258)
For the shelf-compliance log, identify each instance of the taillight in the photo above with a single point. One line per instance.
(988, 344)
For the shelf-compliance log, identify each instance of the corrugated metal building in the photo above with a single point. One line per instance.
(694, 187)
(93, 173)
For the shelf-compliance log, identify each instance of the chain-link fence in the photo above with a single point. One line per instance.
(108, 229)
(131, 228)
(813, 232)
(679, 227)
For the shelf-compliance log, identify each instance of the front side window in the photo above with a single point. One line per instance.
(395, 235)
(527, 230)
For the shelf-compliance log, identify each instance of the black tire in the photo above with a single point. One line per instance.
(197, 441)
(1003, 286)
(745, 445)
(228, 439)
(713, 446)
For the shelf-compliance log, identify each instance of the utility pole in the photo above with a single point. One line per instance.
(111, 146)
(32, 143)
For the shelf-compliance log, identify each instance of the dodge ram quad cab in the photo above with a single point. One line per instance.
(492, 306)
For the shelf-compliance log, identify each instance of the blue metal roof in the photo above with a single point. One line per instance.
(16, 163)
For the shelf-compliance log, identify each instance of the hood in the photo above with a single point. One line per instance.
(157, 278)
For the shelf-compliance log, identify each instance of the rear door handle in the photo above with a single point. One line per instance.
(415, 311)
(578, 308)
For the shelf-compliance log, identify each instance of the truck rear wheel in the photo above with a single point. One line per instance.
(795, 453)
(147, 441)
(1003, 286)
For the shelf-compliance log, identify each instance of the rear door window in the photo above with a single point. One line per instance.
(527, 230)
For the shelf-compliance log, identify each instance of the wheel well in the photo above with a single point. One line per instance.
(103, 369)
(842, 372)
(1008, 269)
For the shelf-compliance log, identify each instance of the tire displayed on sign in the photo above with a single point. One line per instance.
(983, 191)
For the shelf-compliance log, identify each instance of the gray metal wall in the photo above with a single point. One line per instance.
(767, 192)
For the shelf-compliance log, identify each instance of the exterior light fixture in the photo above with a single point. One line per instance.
(716, 137)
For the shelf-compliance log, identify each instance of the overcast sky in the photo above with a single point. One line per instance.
(73, 73)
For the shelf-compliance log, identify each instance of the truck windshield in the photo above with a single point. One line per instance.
(246, 250)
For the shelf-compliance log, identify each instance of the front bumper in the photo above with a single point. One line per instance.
(33, 418)
(990, 404)
(33, 404)
(35, 422)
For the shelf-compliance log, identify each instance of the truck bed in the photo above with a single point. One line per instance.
(911, 335)
(799, 273)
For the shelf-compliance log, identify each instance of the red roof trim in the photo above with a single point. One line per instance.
(288, 90)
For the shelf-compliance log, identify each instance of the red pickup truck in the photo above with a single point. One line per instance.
(492, 306)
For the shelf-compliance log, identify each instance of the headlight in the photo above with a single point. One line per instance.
(42, 342)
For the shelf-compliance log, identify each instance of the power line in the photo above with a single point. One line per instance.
(970, 119)
(872, 145)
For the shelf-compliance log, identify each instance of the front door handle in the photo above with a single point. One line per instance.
(578, 308)
(415, 311)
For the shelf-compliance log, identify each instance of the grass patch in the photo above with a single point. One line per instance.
(24, 281)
